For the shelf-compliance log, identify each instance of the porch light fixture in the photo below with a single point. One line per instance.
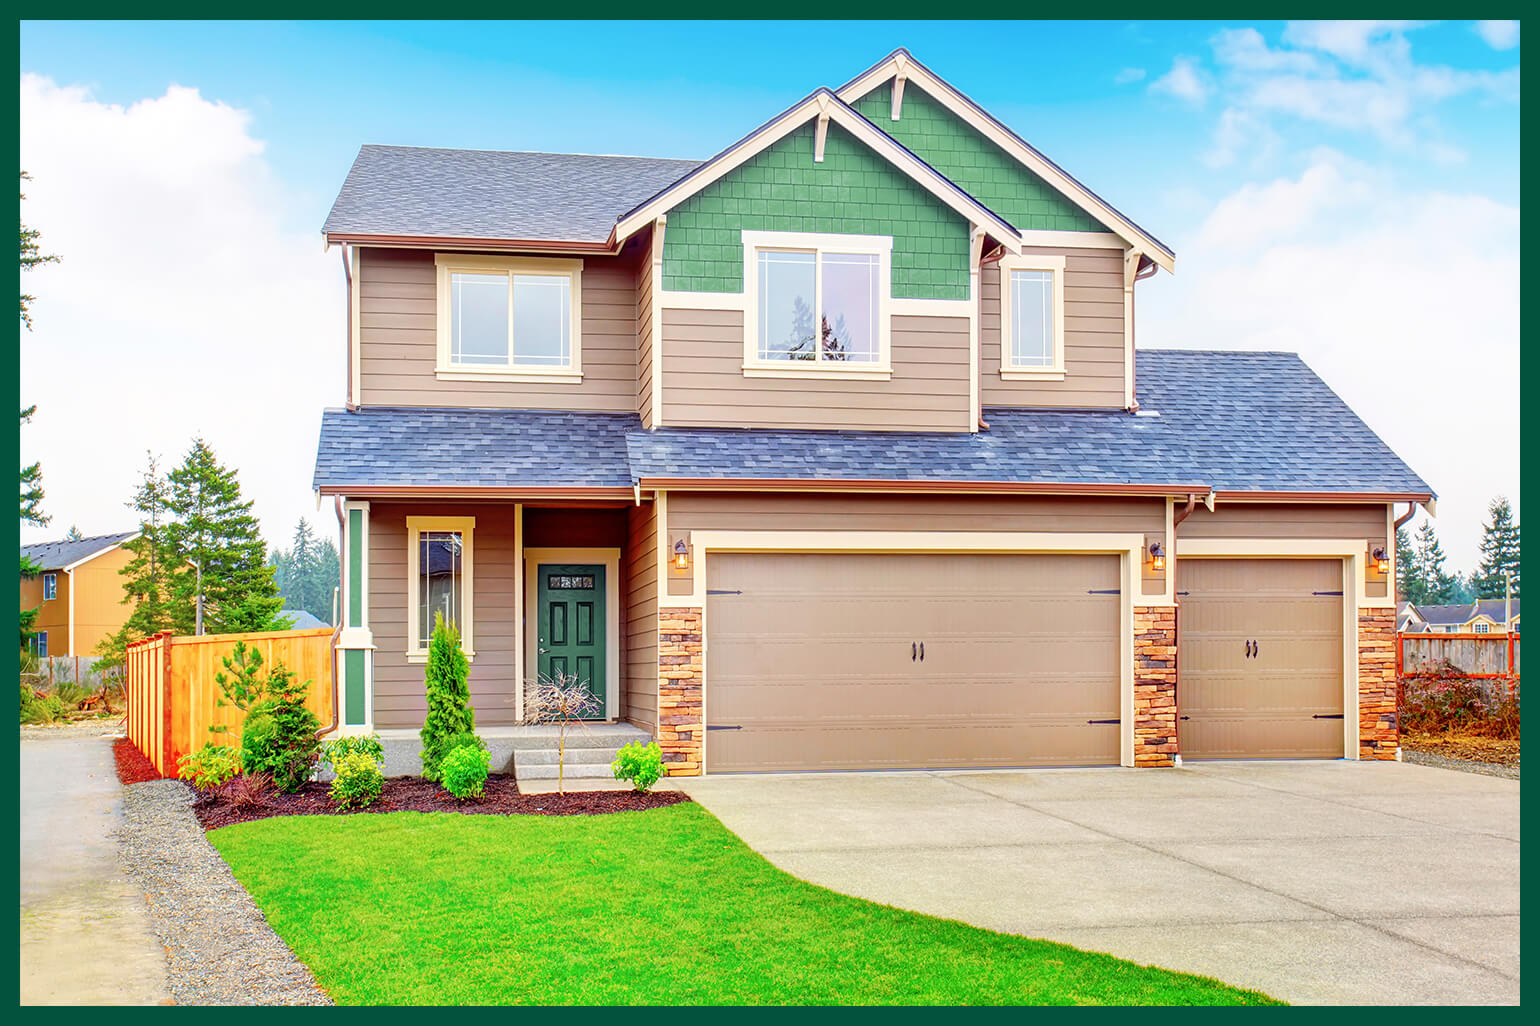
(681, 555)
(1157, 557)
(1381, 560)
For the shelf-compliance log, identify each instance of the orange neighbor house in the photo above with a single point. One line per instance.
(78, 593)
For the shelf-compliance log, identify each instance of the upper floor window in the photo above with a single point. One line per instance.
(512, 318)
(50, 586)
(1032, 317)
(816, 304)
(1483, 628)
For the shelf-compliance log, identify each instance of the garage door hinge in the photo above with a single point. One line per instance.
(1327, 716)
(1117, 720)
(722, 591)
(1326, 593)
(1105, 591)
(721, 726)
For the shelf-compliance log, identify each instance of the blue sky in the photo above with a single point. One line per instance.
(1291, 166)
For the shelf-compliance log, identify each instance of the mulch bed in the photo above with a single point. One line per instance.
(134, 767)
(1501, 751)
(413, 794)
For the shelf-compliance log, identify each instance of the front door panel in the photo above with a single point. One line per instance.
(571, 637)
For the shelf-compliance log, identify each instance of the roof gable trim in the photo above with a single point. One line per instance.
(821, 104)
(901, 63)
(100, 552)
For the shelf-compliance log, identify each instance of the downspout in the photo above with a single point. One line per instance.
(347, 274)
(336, 633)
(1403, 518)
(1133, 351)
(1176, 623)
(992, 257)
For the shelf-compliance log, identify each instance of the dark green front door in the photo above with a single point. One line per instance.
(571, 626)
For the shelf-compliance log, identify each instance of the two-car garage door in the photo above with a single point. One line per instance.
(887, 661)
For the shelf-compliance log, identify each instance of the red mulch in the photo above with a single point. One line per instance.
(134, 767)
(413, 794)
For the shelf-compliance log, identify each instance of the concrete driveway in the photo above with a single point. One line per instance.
(1316, 882)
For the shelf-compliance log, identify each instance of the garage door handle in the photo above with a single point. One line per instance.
(1256, 649)
(1248, 650)
(914, 651)
(922, 651)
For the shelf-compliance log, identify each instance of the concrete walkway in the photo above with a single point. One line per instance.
(85, 932)
(1316, 882)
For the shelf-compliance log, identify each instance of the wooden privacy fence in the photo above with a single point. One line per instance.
(173, 698)
(1474, 655)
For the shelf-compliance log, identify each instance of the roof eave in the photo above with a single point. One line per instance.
(1242, 495)
(900, 485)
(367, 491)
(451, 242)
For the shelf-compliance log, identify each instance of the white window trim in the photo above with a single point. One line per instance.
(1031, 262)
(880, 246)
(50, 579)
(414, 528)
(449, 263)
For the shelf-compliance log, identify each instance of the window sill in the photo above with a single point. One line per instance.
(792, 369)
(514, 376)
(421, 656)
(1032, 373)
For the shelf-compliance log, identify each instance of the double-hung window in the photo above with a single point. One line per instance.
(816, 304)
(509, 318)
(50, 587)
(439, 570)
(1032, 317)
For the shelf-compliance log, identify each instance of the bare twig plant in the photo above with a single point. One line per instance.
(561, 699)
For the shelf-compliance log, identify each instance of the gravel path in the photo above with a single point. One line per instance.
(221, 949)
(1490, 769)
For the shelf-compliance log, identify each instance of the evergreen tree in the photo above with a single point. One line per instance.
(302, 565)
(73, 534)
(447, 681)
(1408, 572)
(329, 578)
(1438, 587)
(32, 485)
(1499, 551)
(150, 575)
(32, 255)
(220, 548)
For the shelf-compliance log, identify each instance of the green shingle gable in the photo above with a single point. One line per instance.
(976, 165)
(852, 192)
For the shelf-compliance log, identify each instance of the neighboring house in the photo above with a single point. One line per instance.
(79, 590)
(834, 451)
(1484, 616)
(1408, 620)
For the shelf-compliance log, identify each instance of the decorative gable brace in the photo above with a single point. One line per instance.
(825, 106)
(901, 65)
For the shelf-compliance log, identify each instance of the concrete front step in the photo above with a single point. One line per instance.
(575, 771)
(526, 750)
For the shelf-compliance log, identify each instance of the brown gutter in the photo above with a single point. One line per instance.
(1176, 620)
(336, 633)
(1192, 502)
(471, 242)
(477, 492)
(1376, 497)
(347, 273)
(718, 484)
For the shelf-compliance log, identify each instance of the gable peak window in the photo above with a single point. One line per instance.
(817, 304)
(514, 318)
(1032, 317)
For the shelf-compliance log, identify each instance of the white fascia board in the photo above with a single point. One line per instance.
(996, 132)
(822, 102)
(101, 552)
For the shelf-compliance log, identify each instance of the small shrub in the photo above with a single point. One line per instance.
(247, 791)
(44, 709)
(210, 767)
(339, 748)
(446, 679)
(465, 771)
(1448, 700)
(279, 736)
(358, 780)
(448, 743)
(641, 764)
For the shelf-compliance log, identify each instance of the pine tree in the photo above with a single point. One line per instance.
(32, 485)
(446, 680)
(1499, 551)
(73, 534)
(302, 567)
(149, 575)
(32, 256)
(1438, 587)
(220, 546)
(1408, 571)
(329, 578)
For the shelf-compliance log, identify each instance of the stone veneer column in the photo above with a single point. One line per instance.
(1154, 686)
(1379, 731)
(680, 676)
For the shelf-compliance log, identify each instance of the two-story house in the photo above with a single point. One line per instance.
(77, 591)
(835, 451)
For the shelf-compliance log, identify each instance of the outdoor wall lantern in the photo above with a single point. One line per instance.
(1157, 557)
(1381, 560)
(681, 555)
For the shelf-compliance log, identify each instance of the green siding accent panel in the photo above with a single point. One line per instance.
(353, 687)
(978, 166)
(853, 192)
(355, 568)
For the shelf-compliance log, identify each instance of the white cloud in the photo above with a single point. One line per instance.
(184, 305)
(1128, 75)
(1185, 81)
(1499, 35)
(1404, 301)
(1355, 42)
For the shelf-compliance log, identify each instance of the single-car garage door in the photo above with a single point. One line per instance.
(893, 661)
(1260, 672)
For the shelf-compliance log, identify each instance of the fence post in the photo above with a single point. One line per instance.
(166, 699)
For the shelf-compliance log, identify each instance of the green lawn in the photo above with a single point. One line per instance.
(658, 907)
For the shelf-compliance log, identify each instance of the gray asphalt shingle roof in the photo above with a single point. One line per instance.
(568, 197)
(1226, 420)
(1493, 608)
(1445, 615)
(56, 555)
